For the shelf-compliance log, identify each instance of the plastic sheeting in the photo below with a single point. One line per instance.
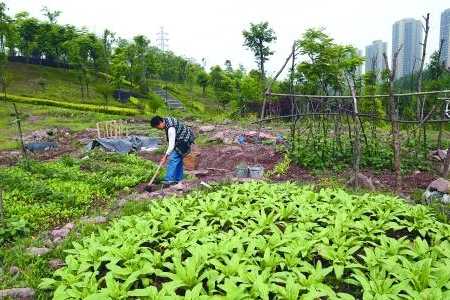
(125, 145)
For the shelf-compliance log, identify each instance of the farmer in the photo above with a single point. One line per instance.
(180, 138)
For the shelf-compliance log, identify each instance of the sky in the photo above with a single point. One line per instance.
(212, 29)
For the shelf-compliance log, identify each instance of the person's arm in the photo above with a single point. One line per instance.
(171, 136)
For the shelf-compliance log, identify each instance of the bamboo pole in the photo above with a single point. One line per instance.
(98, 130)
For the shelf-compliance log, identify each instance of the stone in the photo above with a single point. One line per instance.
(199, 173)
(14, 270)
(56, 263)
(94, 220)
(440, 185)
(227, 141)
(59, 233)
(363, 182)
(17, 293)
(207, 128)
(35, 251)
(48, 243)
(179, 187)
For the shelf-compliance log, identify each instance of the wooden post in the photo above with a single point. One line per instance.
(2, 213)
(356, 142)
(393, 116)
(19, 128)
(446, 164)
(98, 131)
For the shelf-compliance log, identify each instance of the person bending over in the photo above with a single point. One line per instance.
(180, 139)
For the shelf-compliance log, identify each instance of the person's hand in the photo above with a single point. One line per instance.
(163, 160)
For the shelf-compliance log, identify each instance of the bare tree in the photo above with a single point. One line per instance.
(393, 116)
(426, 28)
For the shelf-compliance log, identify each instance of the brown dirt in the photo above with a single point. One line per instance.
(67, 141)
(410, 183)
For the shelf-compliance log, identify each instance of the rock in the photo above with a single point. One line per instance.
(227, 122)
(179, 187)
(442, 154)
(59, 233)
(267, 136)
(14, 270)
(69, 226)
(417, 172)
(207, 128)
(48, 243)
(56, 263)
(363, 181)
(34, 251)
(440, 185)
(438, 155)
(94, 220)
(227, 141)
(17, 293)
(219, 136)
(199, 173)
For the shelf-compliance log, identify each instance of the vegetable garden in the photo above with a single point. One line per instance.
(263, 241)
(38, 195)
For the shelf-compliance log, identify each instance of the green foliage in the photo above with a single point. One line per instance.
(327, 63)
(12, 228)
(263, 241)
(282, 167)
(315, 150)
(45, 194)
(257, 39)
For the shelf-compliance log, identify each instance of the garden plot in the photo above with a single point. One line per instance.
(43, 194)
(263, 241)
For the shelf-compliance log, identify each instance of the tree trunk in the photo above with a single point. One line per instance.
(422, 63)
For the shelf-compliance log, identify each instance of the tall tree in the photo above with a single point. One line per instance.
(203, 81)
(51, 15)
(258, 39)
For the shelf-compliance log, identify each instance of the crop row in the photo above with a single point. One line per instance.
(263, 241)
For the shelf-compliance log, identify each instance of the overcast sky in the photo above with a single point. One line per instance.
(213, 28)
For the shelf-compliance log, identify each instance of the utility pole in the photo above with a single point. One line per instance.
(162, 39)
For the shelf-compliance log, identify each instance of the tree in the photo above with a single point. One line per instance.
(203, 81)
(326, 63)
(27, 29)
(228, 66)
(51, 15)
(258, 39)
(106, 90)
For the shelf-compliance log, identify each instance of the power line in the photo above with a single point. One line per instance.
(162, 39)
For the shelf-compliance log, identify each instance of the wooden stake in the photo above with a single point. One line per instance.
(98, 131)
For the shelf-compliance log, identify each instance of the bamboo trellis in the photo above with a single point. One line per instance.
(112, 129)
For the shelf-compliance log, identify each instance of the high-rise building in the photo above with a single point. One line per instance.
(445, 37)
(359, 69)
(407, 35)
(374, 57)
